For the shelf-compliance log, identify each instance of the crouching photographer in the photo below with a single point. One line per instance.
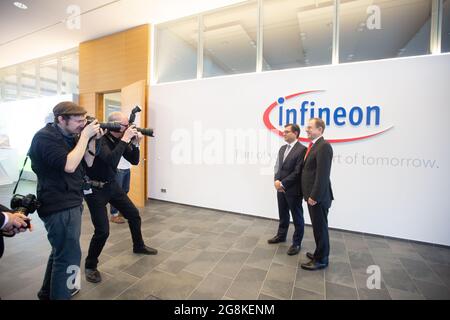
(59, 153)
(103, 189)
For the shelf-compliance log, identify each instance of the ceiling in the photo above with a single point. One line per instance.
(45, 28)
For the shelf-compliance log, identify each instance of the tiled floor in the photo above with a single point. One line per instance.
(206, 254)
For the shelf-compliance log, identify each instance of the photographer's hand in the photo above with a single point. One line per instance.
(16, 220)
(91, 130)
(137, 139)
(129, 134)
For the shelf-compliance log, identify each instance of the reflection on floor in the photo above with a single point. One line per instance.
(206, 254)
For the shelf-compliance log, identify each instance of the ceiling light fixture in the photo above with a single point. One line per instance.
(20, 5)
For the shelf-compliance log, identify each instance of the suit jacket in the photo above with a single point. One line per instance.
(289, 170)
(2, 221)
(315, 177)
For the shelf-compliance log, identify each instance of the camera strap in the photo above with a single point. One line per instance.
(20, 175)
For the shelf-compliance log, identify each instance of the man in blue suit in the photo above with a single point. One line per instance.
(287, 183)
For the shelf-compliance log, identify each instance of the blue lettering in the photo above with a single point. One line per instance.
(339, 113)
(303, 110)
(352, 117)
(280, 114)
(327, 115)
(376, 109)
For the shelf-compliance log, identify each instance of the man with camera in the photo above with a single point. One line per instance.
(59, 154)
(105, 189)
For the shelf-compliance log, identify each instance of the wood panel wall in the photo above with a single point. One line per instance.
(109, 64)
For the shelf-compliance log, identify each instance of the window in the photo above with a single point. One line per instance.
(69, 74)
(10, 84)
(177, 51)
(28, 83)
(111, 103)
(229, 40)
(381, 29)
(297, 33)
(48, 77)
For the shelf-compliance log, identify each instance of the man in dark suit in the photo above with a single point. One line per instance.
(316, 187)
(287, 183)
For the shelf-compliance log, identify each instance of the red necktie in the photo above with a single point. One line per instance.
(309, 149)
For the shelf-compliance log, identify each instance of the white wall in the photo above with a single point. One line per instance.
(197, 159)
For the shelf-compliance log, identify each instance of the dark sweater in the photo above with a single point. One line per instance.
(57, 190)
(106, 161)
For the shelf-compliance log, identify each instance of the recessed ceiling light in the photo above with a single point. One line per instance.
(20, 5)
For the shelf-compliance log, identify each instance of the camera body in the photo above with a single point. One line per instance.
(110, 126)
(25, 204)
(145, 131)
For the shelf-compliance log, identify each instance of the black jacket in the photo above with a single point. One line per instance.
(2, 221)
(106, 161)
(56, 189)
(315, 177)
(290, 169)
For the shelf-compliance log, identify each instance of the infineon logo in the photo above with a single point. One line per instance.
(306, 107)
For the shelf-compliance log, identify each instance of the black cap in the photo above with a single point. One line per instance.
(68, 108)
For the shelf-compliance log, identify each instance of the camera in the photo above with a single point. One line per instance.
(145, 131)
(110, 126)
(25, 204)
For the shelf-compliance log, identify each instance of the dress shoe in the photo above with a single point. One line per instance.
(93, 275)
(145, 250)
(314, 265)
(276, 239)
(293, 250)
(117, 219)
(310, 255)
(43, 295)
(74, 291)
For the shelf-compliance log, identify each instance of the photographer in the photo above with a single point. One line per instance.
(11, 223)
(59, 153)
(105, 189)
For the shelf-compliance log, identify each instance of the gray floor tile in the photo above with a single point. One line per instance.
(302, 294)
(340, 273)
(442, 271)
(360, 261)
(397, 278)
(279, 281)
(178, 261)
(247, 284)
(432, 291)
(281, 256)
(419, 270)
(230, 265)
(339, 292)
(146, 264)
(205, 261)
(213, 287)
(311, 281)
(262, 257)
(397, 294)
(179, 287)
(111, 288)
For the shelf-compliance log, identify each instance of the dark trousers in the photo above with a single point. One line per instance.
(123, 180)
(319, 221)
(111, 193)
(294, 204)
(63, 233)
